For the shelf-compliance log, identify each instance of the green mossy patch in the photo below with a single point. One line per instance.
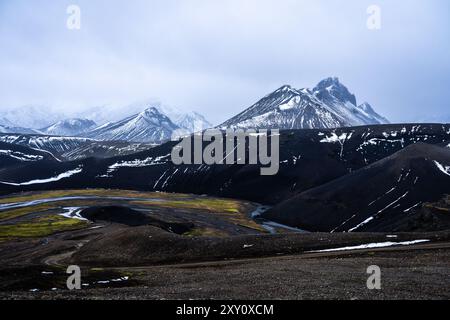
(40, 227)
(16, 213)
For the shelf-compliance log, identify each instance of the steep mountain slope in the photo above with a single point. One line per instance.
(53, 144)
(15, 156)
(308, 159)
(328, 105)
(5, 122)
(69, 127)
(149, 126)
(19, 130)
(337, 97)
(190, 121)
(105, 149)
(74, 148)
(374, 198)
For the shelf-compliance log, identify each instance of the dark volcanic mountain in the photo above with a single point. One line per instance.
(53, 144)
(149, 126)
(374, 198)
(15, 156)
(73, 148)
(309, 159)
(328, 105)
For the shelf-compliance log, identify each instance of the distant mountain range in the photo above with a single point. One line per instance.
(328, 105)
(31, 117)
(152, 125)
(14, 129)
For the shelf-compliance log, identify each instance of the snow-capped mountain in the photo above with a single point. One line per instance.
(69, 127)
(185, 120)
(328, 105)
(32, 117)
(335, 95)
(6, 126)
(5, 122)
(149, 126)
(191, 121)
(7, 129)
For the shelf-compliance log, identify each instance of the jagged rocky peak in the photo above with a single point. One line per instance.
(150, 112)
(284, 88)
(154, 116)
(330, 88)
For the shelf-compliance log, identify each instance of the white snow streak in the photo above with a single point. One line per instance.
(47, 180)
(374, 245)
(73, 213)
(444, 169)
(361, 224)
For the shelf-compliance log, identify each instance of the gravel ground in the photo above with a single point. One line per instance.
(421, 272)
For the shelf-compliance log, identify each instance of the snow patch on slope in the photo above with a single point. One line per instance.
(374, 245)
(21, 156)
(442, 168)
(47, 180)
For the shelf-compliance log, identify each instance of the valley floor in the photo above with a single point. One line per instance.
(407, 273)
(138, 245)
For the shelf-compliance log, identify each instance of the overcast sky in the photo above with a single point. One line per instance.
(220, 56)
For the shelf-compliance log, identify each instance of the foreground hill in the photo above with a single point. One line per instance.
(374, 198)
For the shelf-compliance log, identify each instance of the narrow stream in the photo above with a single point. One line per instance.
(271, 226)
(15, 205)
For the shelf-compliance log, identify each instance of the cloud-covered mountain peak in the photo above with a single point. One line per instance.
(328, 105)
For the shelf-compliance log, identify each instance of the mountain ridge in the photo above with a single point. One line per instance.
(69, 127)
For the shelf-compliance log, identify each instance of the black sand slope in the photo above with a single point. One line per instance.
(382, 196)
